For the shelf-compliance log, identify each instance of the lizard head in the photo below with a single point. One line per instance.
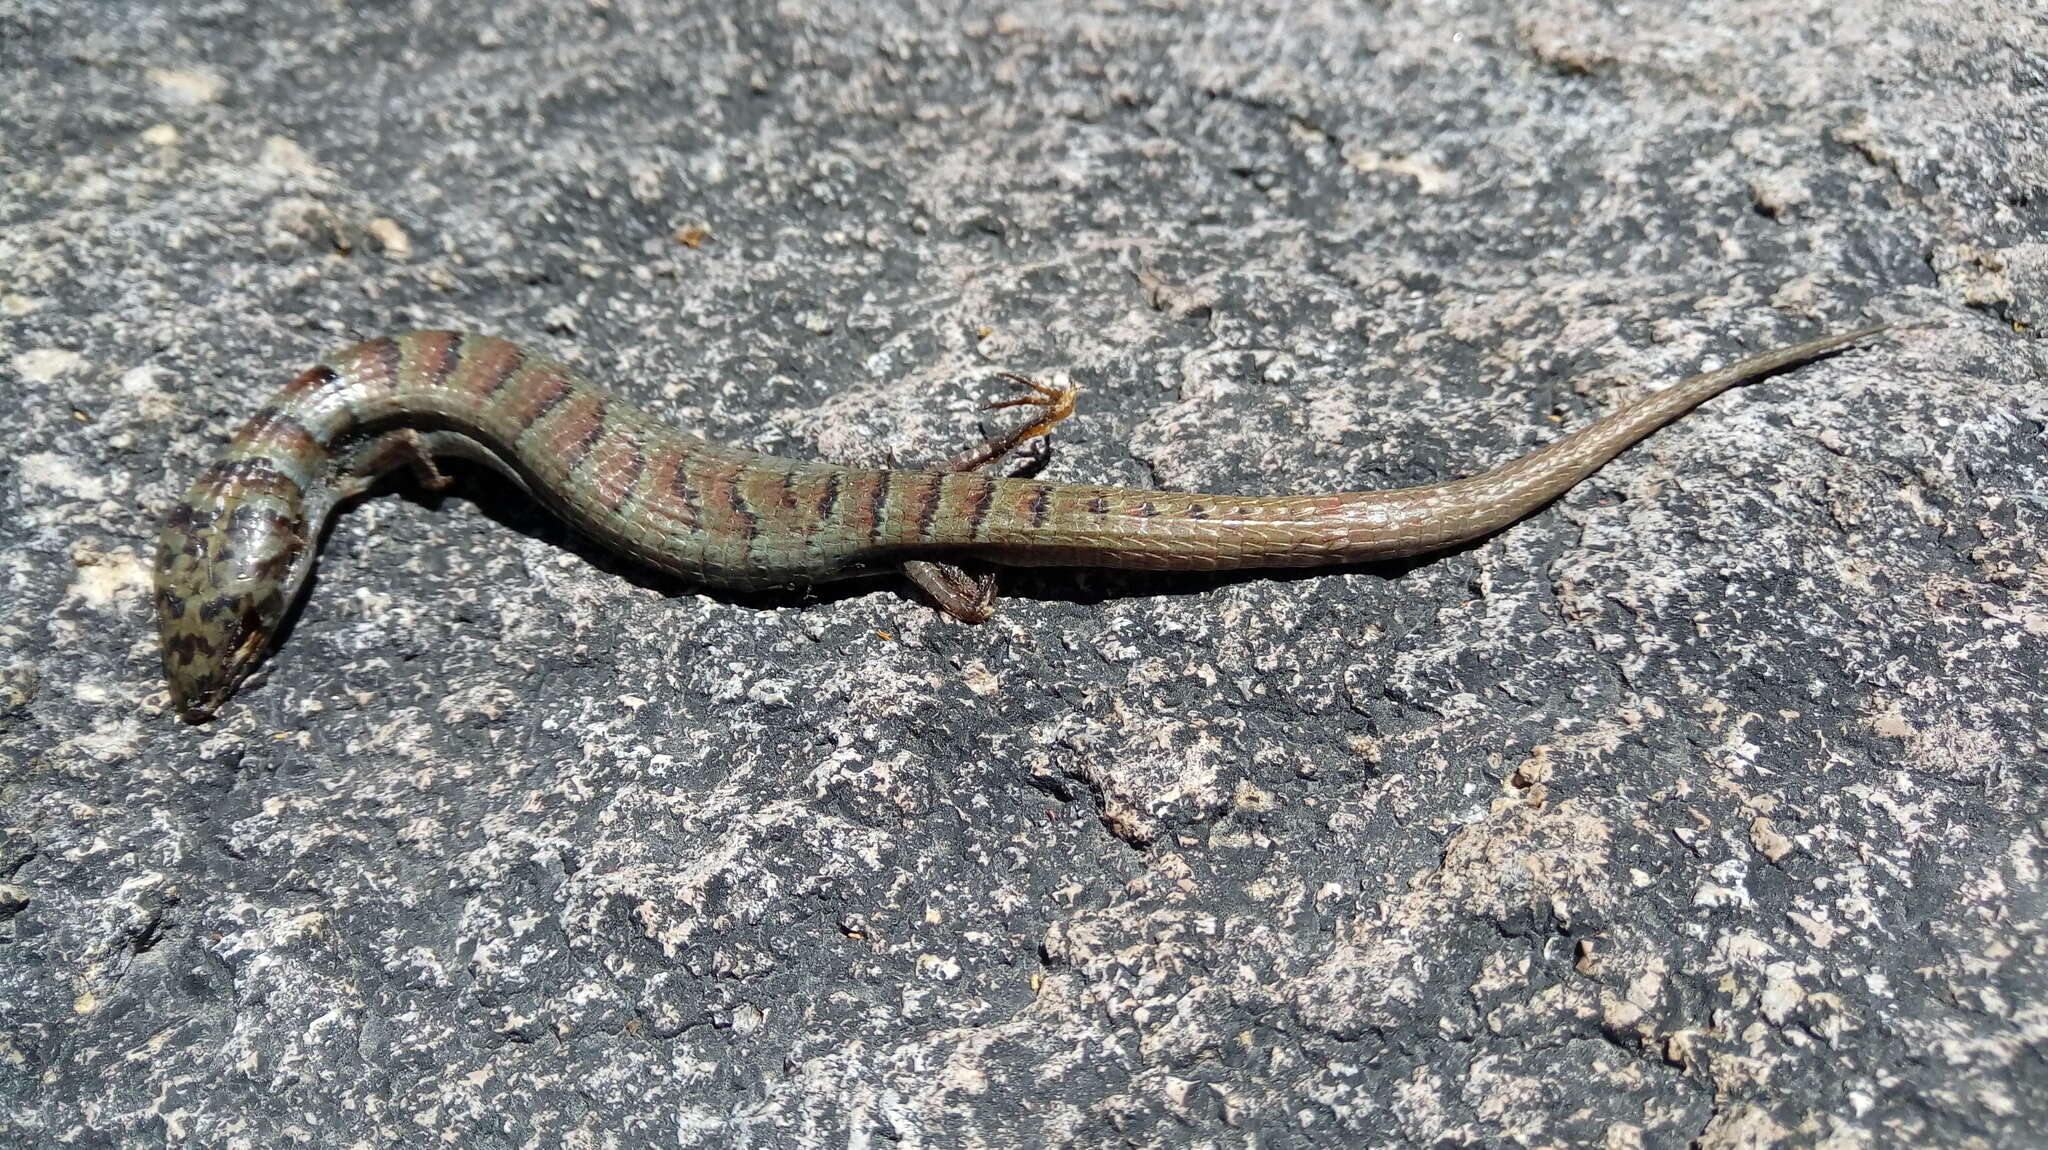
(230, 561)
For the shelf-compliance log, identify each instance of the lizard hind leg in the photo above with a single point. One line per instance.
(1055, 402)
(966, 596)
(370, 461)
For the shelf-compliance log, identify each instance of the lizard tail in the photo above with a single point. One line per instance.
(1031, 523)
(1472, 508)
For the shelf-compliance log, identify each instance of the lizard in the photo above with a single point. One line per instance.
(235, 552)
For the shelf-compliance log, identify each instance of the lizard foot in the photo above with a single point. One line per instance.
(1055, 402)
(968, 598)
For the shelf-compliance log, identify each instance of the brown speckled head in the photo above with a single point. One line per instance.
(229, 562)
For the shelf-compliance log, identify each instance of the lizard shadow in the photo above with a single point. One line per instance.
(1086, 586)
(1094, 586)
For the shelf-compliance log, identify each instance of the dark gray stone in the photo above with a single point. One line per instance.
(1702, 808)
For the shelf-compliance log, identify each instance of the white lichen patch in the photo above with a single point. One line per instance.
(63, 475)
(108, 581)
(187, 85)
(46, 364)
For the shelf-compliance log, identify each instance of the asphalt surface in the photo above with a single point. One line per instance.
(1703, 808)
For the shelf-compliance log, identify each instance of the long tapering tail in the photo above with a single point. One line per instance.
(1031, 523)
(1485, 503)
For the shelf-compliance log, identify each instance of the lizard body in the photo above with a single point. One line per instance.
(235, 552)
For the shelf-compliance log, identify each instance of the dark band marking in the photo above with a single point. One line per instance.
(1146, 510)
(928, 505)
(580, 450)
(276, 428)
(554, 399)
(685, 495)
(499, 363)
(1041, 502)
(984, 499)
(390, 357)
(878, 503)
(750, 523)
(830, 498)
(1197, 511)
(636, 465)
(446, 363)
(1098, 506)
(312, 379)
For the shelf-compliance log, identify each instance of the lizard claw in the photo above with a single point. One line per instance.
(1056, 398)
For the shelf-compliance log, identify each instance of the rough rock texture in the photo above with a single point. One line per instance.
(1702, 808)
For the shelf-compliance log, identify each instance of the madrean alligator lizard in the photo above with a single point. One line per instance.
(236, 551)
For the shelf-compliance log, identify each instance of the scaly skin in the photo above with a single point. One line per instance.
(235, 553)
